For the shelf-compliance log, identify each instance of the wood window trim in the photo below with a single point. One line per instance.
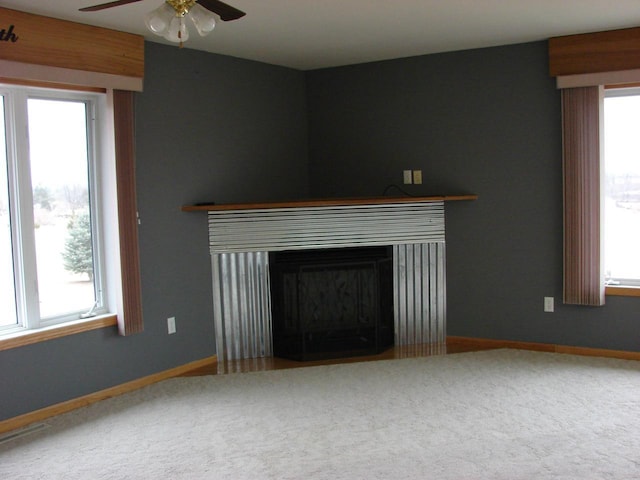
(622, 291)
(54, 85)
(623, 85)
(29, 337)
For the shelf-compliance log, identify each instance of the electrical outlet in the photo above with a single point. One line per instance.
(407, 177)
(548, 304)
(171, 325)
(417, 177)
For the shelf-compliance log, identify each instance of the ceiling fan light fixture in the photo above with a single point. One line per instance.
(168, 19)
(158, 20)
(203, 19)
(177, 31)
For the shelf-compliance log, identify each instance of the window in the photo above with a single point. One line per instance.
(622, 186)
(50, 250)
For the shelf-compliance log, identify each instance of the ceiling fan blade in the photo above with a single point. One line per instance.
(102, 6)
(224, 11)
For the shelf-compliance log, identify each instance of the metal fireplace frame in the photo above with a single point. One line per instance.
(240, 240)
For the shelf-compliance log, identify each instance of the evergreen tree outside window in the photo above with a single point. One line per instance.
(78, 252)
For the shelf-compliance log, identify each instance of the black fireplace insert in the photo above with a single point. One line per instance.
(330, 303)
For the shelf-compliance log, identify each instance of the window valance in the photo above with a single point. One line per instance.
(601, 58)
(44, 49)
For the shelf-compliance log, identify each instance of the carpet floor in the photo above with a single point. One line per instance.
(499, 414)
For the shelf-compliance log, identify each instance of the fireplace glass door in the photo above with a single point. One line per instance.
(332, 302)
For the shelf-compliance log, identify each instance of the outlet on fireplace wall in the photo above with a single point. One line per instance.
(410, 177)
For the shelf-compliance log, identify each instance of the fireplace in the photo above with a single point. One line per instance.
(244, 237)
(329, 303)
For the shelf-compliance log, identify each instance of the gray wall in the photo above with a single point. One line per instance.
(213, 128)
(208, 128)
(480, 121)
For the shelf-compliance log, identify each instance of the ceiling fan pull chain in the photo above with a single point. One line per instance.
(180, 31)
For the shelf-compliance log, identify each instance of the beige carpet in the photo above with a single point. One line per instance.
(501, 414)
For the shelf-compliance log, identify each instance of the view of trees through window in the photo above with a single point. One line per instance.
(59, 176)
(622, 187)
(7, 292)
(58, 250)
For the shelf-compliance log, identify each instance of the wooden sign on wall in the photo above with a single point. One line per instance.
(34, 39)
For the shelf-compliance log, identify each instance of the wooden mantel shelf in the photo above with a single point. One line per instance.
(327, 202)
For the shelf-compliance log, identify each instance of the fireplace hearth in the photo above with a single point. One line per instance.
(330, 303)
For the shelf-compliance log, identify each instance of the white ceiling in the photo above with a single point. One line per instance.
(311, 34)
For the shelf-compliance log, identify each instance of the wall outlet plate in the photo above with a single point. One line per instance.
(407, 177)
(417, 177)
(548, 304)
(171, 325)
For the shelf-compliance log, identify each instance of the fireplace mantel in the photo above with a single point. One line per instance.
(327, 202)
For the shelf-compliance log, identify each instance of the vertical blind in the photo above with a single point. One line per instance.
(581, 133)
(130, 320)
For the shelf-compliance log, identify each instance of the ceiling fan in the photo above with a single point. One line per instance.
(168, 19)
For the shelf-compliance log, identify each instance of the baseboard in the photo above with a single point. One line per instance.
(543, 347)
(64, 407)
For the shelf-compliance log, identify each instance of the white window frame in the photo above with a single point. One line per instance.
(611, 93)
(21, 206)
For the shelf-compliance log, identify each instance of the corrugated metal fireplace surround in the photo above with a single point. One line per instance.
(240, 241)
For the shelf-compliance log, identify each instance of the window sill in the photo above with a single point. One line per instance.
(622, 291)
(28, 337)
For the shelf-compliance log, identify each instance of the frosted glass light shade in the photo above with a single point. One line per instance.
(203, 19)
(158, 20)
(177, 31)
